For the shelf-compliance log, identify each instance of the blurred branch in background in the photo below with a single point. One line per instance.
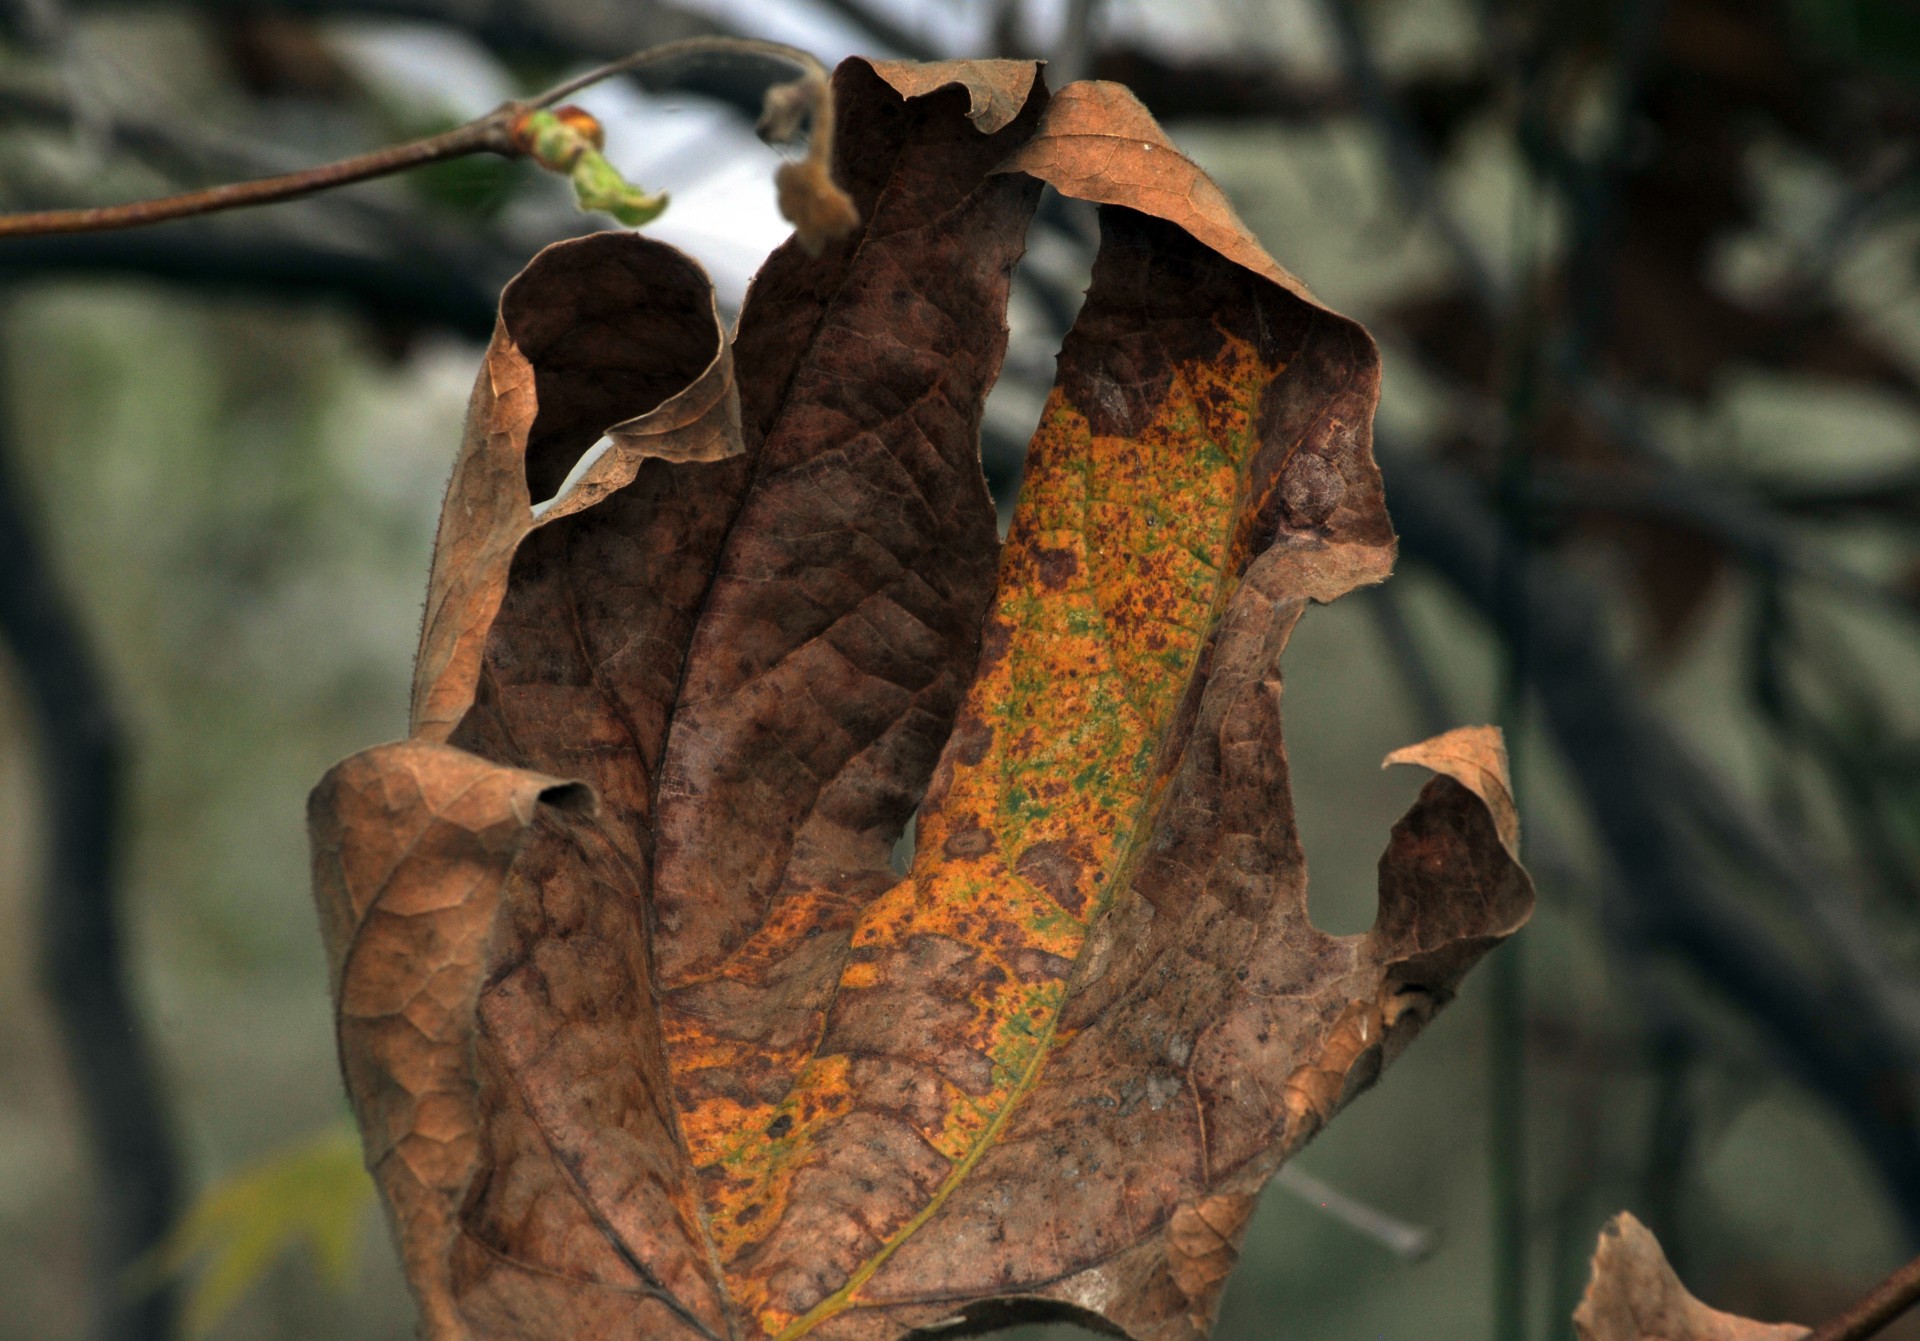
(1843, 1028)
(82, 952)
(401, 292)
(81, 746)
(545, 29)
(1632, 312)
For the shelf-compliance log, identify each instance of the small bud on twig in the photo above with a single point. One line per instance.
(568, 141)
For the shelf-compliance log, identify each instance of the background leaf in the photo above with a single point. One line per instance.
(315, 1194)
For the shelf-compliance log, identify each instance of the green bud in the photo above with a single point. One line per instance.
(569, 142)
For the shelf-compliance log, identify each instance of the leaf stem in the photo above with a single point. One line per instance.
(1885, 1302)
(497, 133)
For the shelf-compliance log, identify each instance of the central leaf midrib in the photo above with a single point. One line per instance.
(702, 609)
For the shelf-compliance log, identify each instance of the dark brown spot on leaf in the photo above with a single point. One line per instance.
(1051, 867)
(1057, 567)
(967, 842)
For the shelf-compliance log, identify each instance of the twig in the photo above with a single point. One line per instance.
(1832, 923)
(501, 131)
(81, 961)
(692, 51)
(1885, 1302)
(1597, 190)
(1893, 496)
(394, 260)
(485, 135)
(1670, 1134)
(1712, 508)
(1570, 1243)
(1507, 1136)
(1408, 1242)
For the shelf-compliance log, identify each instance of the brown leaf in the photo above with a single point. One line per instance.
(1634, 1296)
(715, 1070)
(622, 342)
(996, 90)
(411, 847)
(1100, 144)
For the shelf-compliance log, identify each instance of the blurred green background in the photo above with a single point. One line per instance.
(1645, 277)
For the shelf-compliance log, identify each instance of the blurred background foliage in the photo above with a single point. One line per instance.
(1645, 276)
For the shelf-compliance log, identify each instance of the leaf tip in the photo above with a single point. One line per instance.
(1476, 758)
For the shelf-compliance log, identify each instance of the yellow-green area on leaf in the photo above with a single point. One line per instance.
(1117, 567)
(316, 1192)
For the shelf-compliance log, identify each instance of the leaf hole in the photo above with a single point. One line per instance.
(1049, 281)
(901, 858)
(1346, 708)
(612, 325)
(574, 476)
(575, 798)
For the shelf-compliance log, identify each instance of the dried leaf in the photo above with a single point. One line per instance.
(1634, 1296)
(996, 90)
(696, 1063)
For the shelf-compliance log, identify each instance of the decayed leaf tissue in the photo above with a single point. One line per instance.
(646, 1037)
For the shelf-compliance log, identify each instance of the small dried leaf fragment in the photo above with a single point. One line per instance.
(1634, 1296)
(719, 1072)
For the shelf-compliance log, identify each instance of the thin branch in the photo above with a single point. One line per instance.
(498, 132)
(1596, 191)
(1892, 496)
(1073, 57)
(394, 260)
(690, 54)
(1887, 1301)
(1389, 613)
(1709, 507)
(1409, 1242)
(474, 137)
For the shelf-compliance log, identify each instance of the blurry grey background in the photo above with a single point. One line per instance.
(1645, 278)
